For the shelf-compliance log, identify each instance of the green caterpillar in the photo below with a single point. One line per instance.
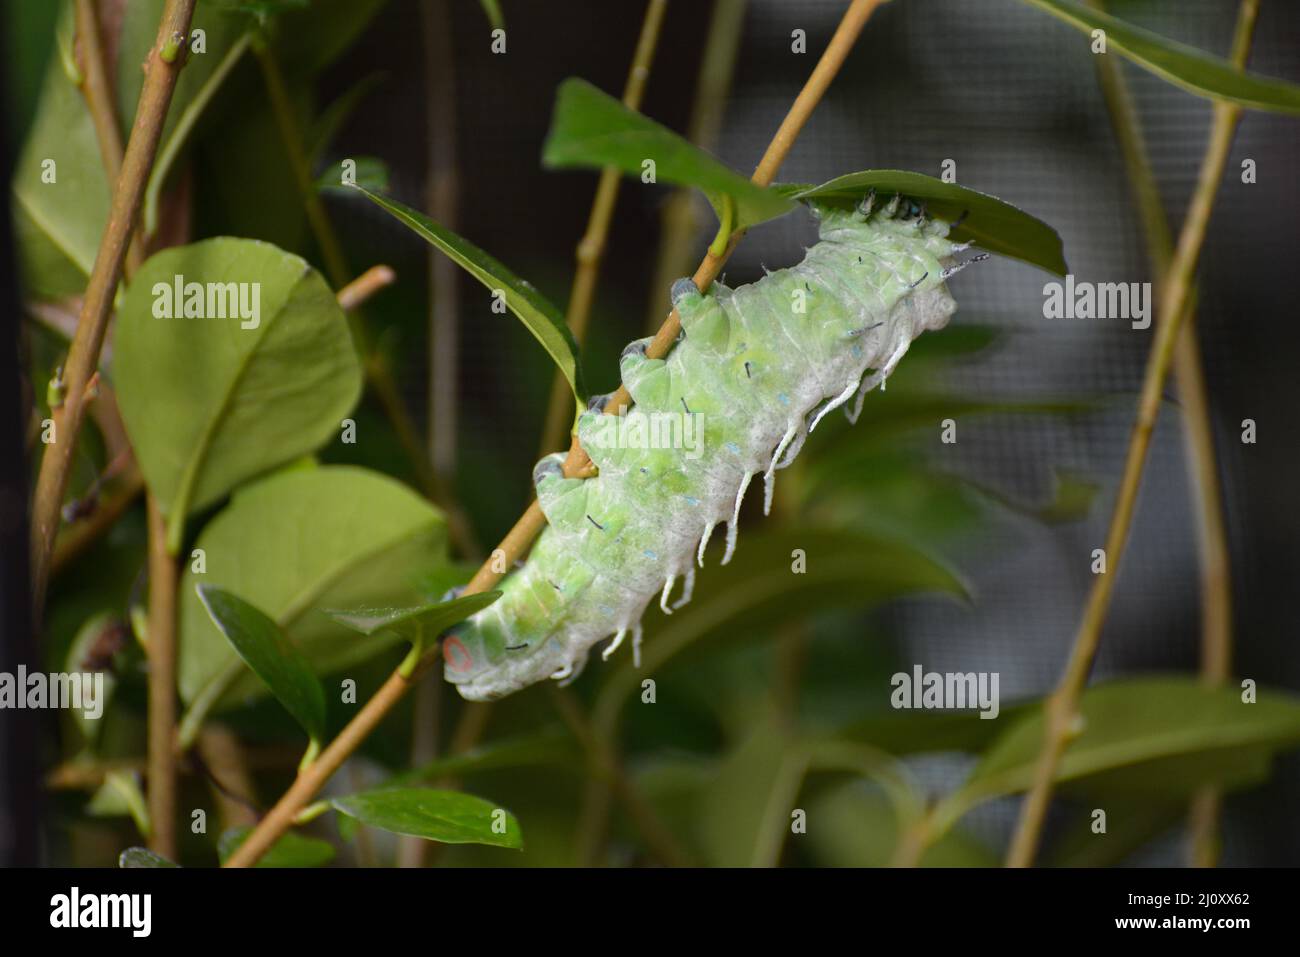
(756, 369)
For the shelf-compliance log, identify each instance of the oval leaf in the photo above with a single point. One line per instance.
(415, 623)
(990, 223)
(273, 658)
(295, 541)
(536, 312)
(59, 228)
(445, 816)
(211, 402)
(290, 850)
(1194, 70)
(1134, 723)
(592, 129)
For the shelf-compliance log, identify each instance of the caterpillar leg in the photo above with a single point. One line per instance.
(572, 669)
(704, 541)
(688, 590)
(834, 404)
(793, 451)
(733, 527)
(769, 483)
(636, 645)
(613, 645)
(668, 590)
(873, 380)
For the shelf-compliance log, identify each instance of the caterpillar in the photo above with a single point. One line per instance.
(755, 369)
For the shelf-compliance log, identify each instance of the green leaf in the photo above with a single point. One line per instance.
(754, 789)
(913, 732)
(370, 174)
(1194, 70)
(290, 849)
(121, 796)
(592, 129)
(415, 623)
(59, 224)
(210, 403)
(273, 658)
(759, 591)
(536, 312)
(1129, 826)
(295, 541)
(990, 223)
(1170, 731)
(142, 857)
(852, 826)
(448, 817)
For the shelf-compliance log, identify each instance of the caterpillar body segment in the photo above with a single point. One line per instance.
(757, 367)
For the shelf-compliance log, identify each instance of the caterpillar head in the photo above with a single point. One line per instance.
(483, 668)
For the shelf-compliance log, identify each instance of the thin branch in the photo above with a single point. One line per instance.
(1198, 433)
(355, 294)
(312, 778)
(679, 221)
(591, 247)
(164, 63)
(97, 89)
(1061, 710)
(161, 651)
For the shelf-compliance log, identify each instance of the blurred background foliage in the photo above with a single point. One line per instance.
(771, 689)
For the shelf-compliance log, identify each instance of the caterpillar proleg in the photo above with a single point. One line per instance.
(756, 369)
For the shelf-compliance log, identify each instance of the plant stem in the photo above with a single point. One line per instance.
(591, 247)
(312, 778)
(442, 184)
(1198, 433)
(679, 222)
(97, 88)
(1062, 706)
(83, 356)
(354, 295)
(162, 686)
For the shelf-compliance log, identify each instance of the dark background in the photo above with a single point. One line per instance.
(1011, 95)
